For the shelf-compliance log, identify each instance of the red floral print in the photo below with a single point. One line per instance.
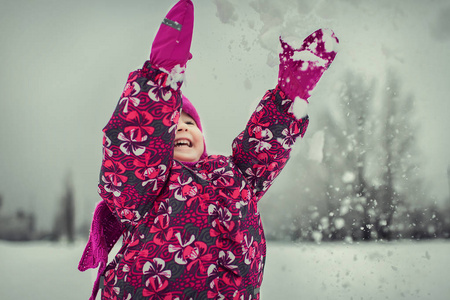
(189, 233)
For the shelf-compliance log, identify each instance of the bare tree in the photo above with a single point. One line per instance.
(369, 153)
(69, 210)
(349, 139)
(64, 223)
(448, 181)
(398, 170)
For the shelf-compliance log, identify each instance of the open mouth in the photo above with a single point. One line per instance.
(183, 143)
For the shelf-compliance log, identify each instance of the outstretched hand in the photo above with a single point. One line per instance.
(300, 69)
(172, 43)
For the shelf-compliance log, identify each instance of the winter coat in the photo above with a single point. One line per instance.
(189, 232)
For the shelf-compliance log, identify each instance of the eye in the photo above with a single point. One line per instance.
(190, 122)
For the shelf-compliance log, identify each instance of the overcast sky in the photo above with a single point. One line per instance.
(65, 63)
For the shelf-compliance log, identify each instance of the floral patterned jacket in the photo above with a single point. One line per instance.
(189, 233)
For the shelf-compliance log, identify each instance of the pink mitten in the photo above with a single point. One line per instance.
(173, 41)
(105, 231)
(300, 69)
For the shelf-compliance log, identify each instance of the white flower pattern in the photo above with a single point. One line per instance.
(130, 91)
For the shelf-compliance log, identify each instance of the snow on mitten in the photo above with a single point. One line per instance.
(300, 69)
(172, 42)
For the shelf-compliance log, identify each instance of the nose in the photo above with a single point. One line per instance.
(182, 126)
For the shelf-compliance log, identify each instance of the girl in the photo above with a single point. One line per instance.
(190, 222)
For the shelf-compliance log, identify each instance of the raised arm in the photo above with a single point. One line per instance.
(262, 150)
(138, 139)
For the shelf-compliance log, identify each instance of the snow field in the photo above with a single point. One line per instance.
(398, 270)
(42, 270)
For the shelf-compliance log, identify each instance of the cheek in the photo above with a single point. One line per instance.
(199, 139)
(202, 146)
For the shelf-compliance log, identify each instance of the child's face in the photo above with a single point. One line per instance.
(188, 145)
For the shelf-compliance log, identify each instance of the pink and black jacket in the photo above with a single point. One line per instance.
(188, 232)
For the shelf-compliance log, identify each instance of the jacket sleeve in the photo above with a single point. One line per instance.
(262, 150)
(138, 143)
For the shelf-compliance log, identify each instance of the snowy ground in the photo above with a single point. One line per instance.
(400, 270)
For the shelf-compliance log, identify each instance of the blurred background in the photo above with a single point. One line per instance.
(373, 166)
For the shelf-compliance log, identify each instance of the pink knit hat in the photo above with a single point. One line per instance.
(191, 111)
